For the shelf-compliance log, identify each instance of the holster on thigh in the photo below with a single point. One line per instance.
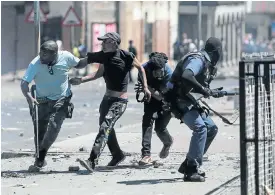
(65, 104)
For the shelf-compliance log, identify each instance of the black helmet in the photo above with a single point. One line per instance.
(213, 48)
(48, 52)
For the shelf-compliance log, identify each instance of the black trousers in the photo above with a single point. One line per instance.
(160, 126)
(111, 109)
(51, 115)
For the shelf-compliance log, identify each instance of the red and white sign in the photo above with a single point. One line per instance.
(30, 16)
(99, 29)
(71, 18)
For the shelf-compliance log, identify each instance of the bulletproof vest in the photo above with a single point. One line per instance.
(183, 85)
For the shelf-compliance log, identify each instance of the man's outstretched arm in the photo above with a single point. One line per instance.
(99, 73)
(83, 62)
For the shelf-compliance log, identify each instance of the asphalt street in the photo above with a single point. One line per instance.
(17, 129)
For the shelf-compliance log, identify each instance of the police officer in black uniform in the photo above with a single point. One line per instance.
(158, 74)
(194, 73)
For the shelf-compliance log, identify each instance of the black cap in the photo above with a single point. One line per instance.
(111, 35)
(213, 44)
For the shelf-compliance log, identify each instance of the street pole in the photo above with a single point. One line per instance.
(15, 44)
(37, 25)
(117, 16)
(86, 34)
(199, 24)
(141, 51)
(86, 24)
(72, 37)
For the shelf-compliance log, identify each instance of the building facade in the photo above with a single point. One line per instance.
(152, 25)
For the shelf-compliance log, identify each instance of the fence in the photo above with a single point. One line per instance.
(257, 125)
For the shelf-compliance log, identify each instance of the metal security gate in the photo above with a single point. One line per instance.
(257, 124)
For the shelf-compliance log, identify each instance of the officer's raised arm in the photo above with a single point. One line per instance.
(194, 67)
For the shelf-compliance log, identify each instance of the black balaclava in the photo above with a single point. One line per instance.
(213, 48)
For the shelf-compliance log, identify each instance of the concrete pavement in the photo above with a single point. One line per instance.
(222, 164)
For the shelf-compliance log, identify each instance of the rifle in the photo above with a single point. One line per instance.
(194, 99)
(234, 116)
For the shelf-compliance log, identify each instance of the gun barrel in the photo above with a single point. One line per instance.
(230, 93)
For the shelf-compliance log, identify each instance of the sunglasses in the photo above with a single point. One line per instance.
(50, 68)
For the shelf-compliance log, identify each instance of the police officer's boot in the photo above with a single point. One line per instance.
(167, 141)
(192, 175)
(183, 166)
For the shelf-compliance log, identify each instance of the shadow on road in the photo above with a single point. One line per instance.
(109, 168)
(151, 181)
(26, 173)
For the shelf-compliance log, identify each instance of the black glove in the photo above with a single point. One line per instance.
(206, 92)
(217, 93)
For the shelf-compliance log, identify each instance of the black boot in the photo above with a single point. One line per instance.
(117, 159)
(39, 163)
(183, 166)
(192, 174)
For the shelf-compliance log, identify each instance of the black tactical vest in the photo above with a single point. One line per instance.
(183, 86)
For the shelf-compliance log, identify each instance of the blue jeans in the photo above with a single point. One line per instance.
(204, 132)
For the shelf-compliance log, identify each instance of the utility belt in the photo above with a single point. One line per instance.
(183, 102)
(44, 100)
(182, 106)
(68, 106)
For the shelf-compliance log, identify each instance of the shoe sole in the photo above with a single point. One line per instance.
(190, 180)
(85, 165)
(145, 164)
(183, 172)
(153, 162)
(117, 162)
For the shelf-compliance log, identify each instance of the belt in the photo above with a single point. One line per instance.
(43, 100)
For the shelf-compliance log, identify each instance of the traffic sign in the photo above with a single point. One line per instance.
(71, 18)
(30, 16)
